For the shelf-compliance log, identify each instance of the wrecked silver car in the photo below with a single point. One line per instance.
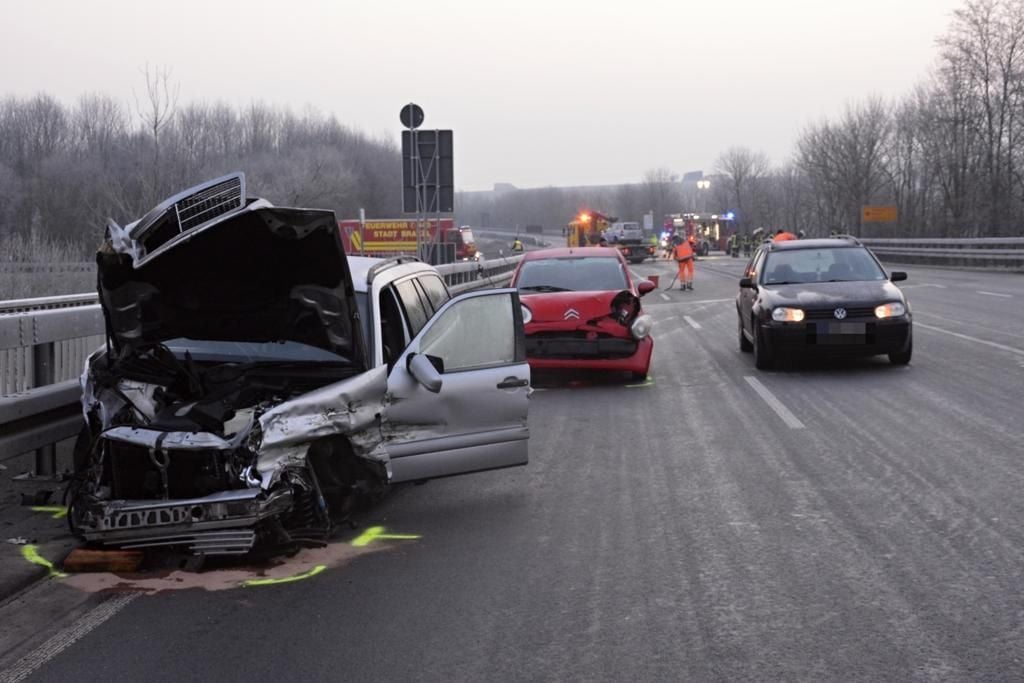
(235, 404)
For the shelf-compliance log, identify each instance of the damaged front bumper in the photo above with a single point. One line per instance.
(222, 523)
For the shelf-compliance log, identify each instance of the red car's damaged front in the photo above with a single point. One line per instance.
(581, 309)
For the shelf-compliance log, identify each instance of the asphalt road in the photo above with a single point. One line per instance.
(848, 520)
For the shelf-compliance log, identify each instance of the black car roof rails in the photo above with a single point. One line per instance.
(849, 238)
(388, 263)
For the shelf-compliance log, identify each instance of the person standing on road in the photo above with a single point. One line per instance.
(517, 245)
(683, 254)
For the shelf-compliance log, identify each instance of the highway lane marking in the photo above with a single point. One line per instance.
(791, 420)
(692, 323)
(994, 345)
(666, 297)
(1002, 296)
(66, 637)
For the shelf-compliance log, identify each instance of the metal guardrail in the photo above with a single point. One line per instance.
(44, 343)
(976, 252)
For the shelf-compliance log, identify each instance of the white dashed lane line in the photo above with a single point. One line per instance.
(691, 322)
(666, 297)
(1002, 296)
(791, 420)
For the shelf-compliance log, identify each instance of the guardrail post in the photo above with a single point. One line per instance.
(44, 371)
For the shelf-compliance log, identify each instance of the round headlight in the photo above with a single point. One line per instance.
(893, 310)
(641, 327)
(787, 315)
(527, 313)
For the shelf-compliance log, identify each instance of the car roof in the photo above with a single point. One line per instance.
(360, 267)
(820, 243)
(571, 252)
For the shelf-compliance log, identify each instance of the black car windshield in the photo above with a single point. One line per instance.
(586, 274)
(803, 266)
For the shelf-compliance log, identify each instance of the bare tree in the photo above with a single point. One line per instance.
(742, 168)
(156, 111)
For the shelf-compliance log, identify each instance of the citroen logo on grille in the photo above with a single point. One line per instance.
(839, 313)
(571, 314)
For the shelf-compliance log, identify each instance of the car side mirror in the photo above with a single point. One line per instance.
(645, 287)
(747, 283)
(897, 276)
(423, 371)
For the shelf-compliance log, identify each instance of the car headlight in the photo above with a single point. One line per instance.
(641, 327)
(527, 313)
(893, 310)
(787, 315)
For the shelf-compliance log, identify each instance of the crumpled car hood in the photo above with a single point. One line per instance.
(251, 272)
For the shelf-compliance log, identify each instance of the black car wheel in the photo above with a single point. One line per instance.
(763, 358)
(745, 345)
(903, 357)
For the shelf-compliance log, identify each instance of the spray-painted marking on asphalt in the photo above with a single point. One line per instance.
(691, 322)
(375, 533)
(994, 345)
(31, 554)
(56, 511)
(649, 382)
(1001, 296)
(66, 637)
(286, 579)
(774, 403)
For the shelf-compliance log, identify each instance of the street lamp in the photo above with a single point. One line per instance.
(703, 185)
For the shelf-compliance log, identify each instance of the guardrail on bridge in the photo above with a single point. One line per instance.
(44, 343)
(975, 252)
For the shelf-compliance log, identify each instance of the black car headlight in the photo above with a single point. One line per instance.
(892, 310)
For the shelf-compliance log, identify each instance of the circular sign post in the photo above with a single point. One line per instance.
(411, 116)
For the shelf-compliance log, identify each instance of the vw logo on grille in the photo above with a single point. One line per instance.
(571, 314)
(839, 313)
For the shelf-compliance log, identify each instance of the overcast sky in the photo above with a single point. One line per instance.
(539, 92)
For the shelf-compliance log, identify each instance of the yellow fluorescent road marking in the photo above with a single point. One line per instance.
(286, 579)
(377, 532)
(58, 512)
(31, 553)
(649, 382)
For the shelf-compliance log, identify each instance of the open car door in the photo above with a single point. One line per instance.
(459, 393)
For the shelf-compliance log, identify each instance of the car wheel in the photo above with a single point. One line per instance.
(745, 345)
(763, 358)
(902, 357)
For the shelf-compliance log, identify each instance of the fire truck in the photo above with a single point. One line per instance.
(394, 237)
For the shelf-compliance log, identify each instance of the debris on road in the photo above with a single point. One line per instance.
(18, 540)
(117, 561)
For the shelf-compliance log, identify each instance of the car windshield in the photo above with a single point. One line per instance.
(572, 274)
(837, 264)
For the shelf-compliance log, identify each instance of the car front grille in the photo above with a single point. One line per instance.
(829, 313)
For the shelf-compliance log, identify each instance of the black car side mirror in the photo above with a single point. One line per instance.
(747, 283)
(897, 276)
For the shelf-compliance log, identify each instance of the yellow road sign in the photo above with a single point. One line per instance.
(878, 214)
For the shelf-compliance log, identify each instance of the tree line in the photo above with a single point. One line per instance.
(66, 168)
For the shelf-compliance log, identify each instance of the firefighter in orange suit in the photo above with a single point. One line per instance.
(683, 254)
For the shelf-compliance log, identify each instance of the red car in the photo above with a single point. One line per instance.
(581, 309)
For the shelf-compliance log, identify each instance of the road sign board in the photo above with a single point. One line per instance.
(878, 214)
(427, 171)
